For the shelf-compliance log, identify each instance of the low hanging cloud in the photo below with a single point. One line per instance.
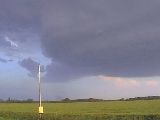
(90, 37)
(31, 66)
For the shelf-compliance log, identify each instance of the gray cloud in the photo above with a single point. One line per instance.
(118, 38)
(3, 60)
(30, 65)
(20, 22)
(90, 37)
(18, 14)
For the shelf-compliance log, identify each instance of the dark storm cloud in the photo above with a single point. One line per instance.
(30, 65)
(20, 23)
(118, 38)
(91, 37)
(18, 14)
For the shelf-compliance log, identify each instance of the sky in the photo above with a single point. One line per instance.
(106, 49)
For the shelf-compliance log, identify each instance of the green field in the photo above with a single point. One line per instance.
(111, 110)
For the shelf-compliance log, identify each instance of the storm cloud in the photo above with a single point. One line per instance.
(89, 37)
(31, 66)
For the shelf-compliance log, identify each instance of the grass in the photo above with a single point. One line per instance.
(111, 107)
(94, 110)
(1, 118)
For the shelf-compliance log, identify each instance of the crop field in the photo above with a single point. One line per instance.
(111, 110)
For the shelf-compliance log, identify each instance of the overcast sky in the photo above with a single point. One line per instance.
(105, 49)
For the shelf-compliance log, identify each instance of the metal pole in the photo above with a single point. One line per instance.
(39, 79)
(40, 109)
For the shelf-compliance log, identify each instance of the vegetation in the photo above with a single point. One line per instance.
(145, 98)
(67, 100)
(110, 110)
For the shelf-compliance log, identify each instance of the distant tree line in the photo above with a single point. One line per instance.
(67, 100)
(141, 98)
(82, 100)
(11, 100)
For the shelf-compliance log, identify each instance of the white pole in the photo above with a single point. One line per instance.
(39, 78)
(40, 108)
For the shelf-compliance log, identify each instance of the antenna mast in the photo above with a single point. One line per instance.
(40, 94)
(39, 80)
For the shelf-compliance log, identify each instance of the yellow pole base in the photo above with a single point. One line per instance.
(40, 109)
